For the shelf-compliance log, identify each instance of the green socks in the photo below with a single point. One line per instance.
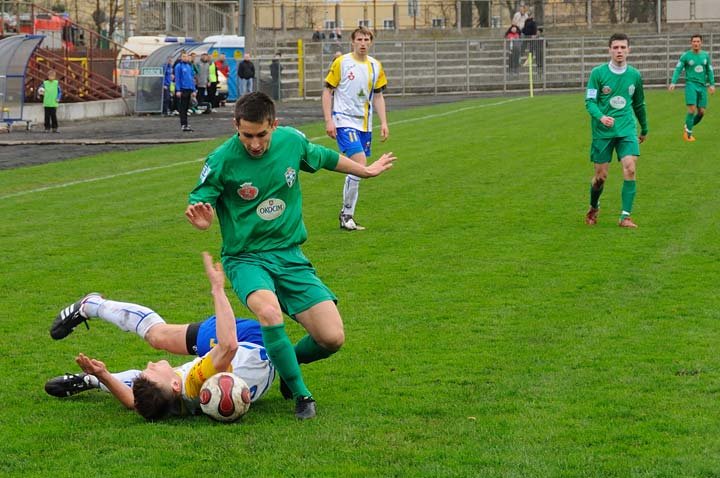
(595, 196)
(689, 122)
(307, 350)
(282, 355)
(628, 196)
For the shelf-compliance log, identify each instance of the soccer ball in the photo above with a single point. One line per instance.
(41, 91)
(224, 397)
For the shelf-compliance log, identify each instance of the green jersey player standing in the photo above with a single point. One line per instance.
(252, 182)
(699, 78)
(614, 98)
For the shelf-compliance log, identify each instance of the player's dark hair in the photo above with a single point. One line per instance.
(151, 402)
(619, 37)
(255, 107)
(697, 35)
(364, 31)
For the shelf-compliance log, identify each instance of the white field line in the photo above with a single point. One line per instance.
(181, 163)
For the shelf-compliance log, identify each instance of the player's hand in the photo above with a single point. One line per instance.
(177, 93)
(641, 138)
(608, 121)
(384, 132)
(671, 87)
(90, 365)
(330, 129)
(214, 271)
(200, 215)
(382, 164)
(711, 89)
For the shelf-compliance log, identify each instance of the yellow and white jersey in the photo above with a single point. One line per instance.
(355, 83)
(250, 363)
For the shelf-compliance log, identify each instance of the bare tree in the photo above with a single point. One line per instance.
(642, 11)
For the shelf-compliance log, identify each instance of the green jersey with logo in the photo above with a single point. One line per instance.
(697, 68)
(258, 200)
(616, 92)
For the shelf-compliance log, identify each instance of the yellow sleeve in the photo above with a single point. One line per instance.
(200, 372)
(381, 79)
(333, 76)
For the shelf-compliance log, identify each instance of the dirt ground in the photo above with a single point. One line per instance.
(20, 148)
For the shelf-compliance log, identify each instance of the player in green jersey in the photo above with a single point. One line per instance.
(699, 78)
(614, 98)
(252, 182)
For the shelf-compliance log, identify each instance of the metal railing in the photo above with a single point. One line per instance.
(465, 67)
(190, 18)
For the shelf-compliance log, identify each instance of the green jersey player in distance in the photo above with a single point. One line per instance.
(699, 78)
(252, 183)
(614, 99)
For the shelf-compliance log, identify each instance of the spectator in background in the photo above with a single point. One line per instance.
(335, 37)
(539, 51)
(167, 79)
(512, 36)
(224, 68)
(212, 83)
(275, 74)
(246, 74)
(318, 35)
(529, 33)
(52, 94)
(184, 89)
(520, 17)
(203, 77)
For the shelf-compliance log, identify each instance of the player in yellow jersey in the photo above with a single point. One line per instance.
(353, 88)
(161, 389)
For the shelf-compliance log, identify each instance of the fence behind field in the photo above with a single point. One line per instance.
(474, 66)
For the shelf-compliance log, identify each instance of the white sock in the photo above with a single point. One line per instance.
(129, 317)
(350, 194)
(127, 377)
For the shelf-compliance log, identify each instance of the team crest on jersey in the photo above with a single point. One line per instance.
(361, 94)
(351, 75)
(631, 90)
(290, 177)
(606, 90)
(247, 191)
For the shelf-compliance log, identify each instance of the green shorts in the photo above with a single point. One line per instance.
(285, 272)
(601, 149)
(696, 95)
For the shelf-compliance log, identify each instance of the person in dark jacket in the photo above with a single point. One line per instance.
(275, 74)
(246, 75)
(184, 89)
(167, 79)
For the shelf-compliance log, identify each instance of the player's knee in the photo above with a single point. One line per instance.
(599, 181)
(269, 315)
(332, 341)
(155, 338)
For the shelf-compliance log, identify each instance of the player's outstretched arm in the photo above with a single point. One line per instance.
(119, 390)
(382, 164)
(200, 215)
(223, 353)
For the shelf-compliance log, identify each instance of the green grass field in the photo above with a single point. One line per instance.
(490, 333)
